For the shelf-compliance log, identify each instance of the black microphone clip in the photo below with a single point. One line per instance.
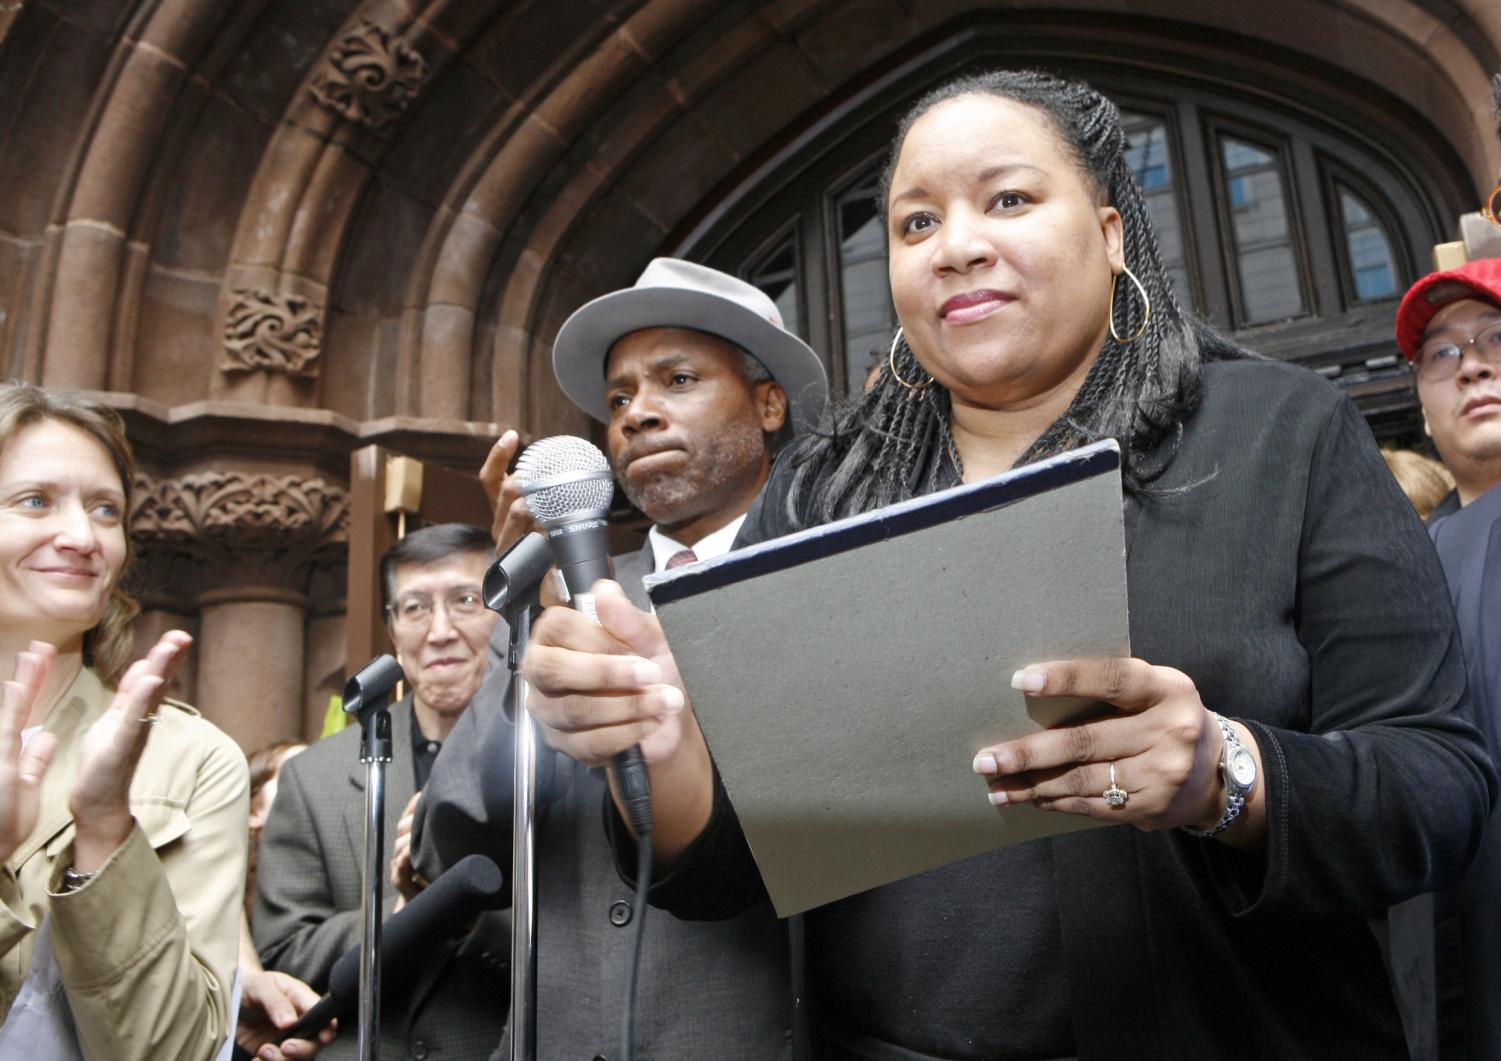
(366, 695)
(514, 580)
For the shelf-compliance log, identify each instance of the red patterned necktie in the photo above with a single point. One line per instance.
(681, 557)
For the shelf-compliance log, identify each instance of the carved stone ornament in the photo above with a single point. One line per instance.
(250, 510)
(371, 78)
(274, 332)
(215, 528)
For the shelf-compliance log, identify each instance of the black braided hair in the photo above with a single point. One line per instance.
(1496, 95)
(884, 447)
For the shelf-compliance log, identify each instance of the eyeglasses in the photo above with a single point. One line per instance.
(1491, 208)
(1439, 360)
(416, 609)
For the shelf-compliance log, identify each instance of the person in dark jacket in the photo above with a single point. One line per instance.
(1449, 328)
(1291, 746)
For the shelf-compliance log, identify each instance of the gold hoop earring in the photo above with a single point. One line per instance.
(1146, 302)
(896, 340)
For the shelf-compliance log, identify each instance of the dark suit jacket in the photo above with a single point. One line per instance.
(705, 991)
(1469, 925)
(307, 910)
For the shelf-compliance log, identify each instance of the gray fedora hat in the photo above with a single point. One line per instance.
(672, 293)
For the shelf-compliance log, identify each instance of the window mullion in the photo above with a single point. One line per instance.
(1314, 231)
(1199, 216)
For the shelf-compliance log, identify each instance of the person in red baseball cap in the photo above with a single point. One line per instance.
(1449, 327)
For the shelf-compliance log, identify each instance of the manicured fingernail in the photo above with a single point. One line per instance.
(999, 798)
(645, 672)
(985, 763)
(672, 698)
(1028, 680)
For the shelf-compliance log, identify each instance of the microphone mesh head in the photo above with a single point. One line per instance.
(564, 476)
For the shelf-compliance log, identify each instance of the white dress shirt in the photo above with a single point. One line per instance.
(709, 546)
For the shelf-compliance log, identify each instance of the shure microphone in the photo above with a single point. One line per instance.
(568, 486)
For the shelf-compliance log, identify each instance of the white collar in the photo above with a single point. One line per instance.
(709, 546)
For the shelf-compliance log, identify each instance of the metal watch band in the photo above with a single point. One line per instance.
(73, 880)
(1233, 802)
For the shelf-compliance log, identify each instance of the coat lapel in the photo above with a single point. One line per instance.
(630, 569)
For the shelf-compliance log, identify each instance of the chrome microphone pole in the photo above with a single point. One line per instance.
(366, 696)
(523, 877)
(511, 588)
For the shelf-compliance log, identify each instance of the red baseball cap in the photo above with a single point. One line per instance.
(1480, 279)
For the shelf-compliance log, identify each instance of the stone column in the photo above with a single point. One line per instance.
(324, 675)
(244, 548)
(251, 661)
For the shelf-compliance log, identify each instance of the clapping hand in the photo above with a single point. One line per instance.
(21, 770)
(100, 800)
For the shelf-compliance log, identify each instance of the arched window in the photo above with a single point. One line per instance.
(1282, 219)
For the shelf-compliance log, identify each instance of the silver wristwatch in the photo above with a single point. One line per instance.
(73, 880)
(1238, 771)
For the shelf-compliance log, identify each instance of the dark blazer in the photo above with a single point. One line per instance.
(1469, 920)
(705, 990)
(1278, 566)
(307, 910)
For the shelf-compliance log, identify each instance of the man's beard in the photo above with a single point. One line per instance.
(719, 463)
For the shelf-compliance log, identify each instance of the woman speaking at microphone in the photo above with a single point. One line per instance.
(1291, 742)
(122, 815)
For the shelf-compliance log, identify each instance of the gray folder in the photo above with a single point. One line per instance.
(845, 676)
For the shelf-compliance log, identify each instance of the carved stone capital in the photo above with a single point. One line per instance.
(371, 77)
(273, 331)
(215, 529)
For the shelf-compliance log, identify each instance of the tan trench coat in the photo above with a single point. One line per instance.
(147, 949)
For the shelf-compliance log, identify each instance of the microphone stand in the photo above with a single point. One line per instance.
(366, 696)
(511, 588)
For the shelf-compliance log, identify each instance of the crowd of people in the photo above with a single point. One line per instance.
(1302, 739)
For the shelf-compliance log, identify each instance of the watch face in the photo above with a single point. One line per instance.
(1242, 766)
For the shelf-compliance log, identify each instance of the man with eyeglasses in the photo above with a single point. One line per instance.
(1449, 327)
(309, 884)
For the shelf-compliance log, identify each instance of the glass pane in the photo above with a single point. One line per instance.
(776, 275)
(1371, 258)
(1270, 286)
(1152, 164)
(869, 319)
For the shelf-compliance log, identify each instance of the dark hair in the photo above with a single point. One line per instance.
(430, 545)
(266, 761)
(752, 369)
(1496, 94)
(887, 445)
(108, 647)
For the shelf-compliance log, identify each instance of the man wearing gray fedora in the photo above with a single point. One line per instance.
(696, 379)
